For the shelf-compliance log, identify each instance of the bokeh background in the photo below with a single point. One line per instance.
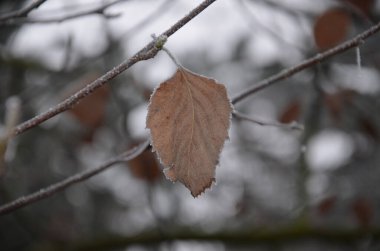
(278, 188)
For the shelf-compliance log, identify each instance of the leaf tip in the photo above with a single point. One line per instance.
(196, 192)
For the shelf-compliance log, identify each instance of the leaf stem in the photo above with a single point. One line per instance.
(173, 58)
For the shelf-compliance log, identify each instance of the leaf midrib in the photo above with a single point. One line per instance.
(188, 86)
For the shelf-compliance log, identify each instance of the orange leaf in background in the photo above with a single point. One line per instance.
(291, 112)
(331, 28)
(145, 166)
(188, 117)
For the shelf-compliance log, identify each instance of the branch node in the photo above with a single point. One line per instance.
(159, 41)
(319, 57)
(360, 42)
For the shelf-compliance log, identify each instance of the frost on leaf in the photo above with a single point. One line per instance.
(188, 117)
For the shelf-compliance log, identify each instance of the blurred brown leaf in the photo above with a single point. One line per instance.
(145, 166)
(91, 111)
(326, 205)
(368, 128)
(331, 28)
(363, 211)
(188, 117)
(336, 102)
(3, 149)
(291, 112)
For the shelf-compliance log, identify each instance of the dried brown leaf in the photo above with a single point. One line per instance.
(336, 102)
(326, 205)
(363, 211)
(145, 167)
(331, 28)
(188, 117)
(291, 112)
(91, 111)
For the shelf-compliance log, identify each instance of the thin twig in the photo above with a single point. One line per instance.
(55, 188)
(286, 73)
(96, 10)
(22, 12)
(292, 126)
(149, 51)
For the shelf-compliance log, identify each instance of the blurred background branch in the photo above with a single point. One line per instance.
(23, 12)
(98, 10)
(292, 125)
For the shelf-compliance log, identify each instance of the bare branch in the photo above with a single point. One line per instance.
(55, 188)
(286, 73)
(292, 126)
(22, 12)
(96, 10)
(149, 51)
